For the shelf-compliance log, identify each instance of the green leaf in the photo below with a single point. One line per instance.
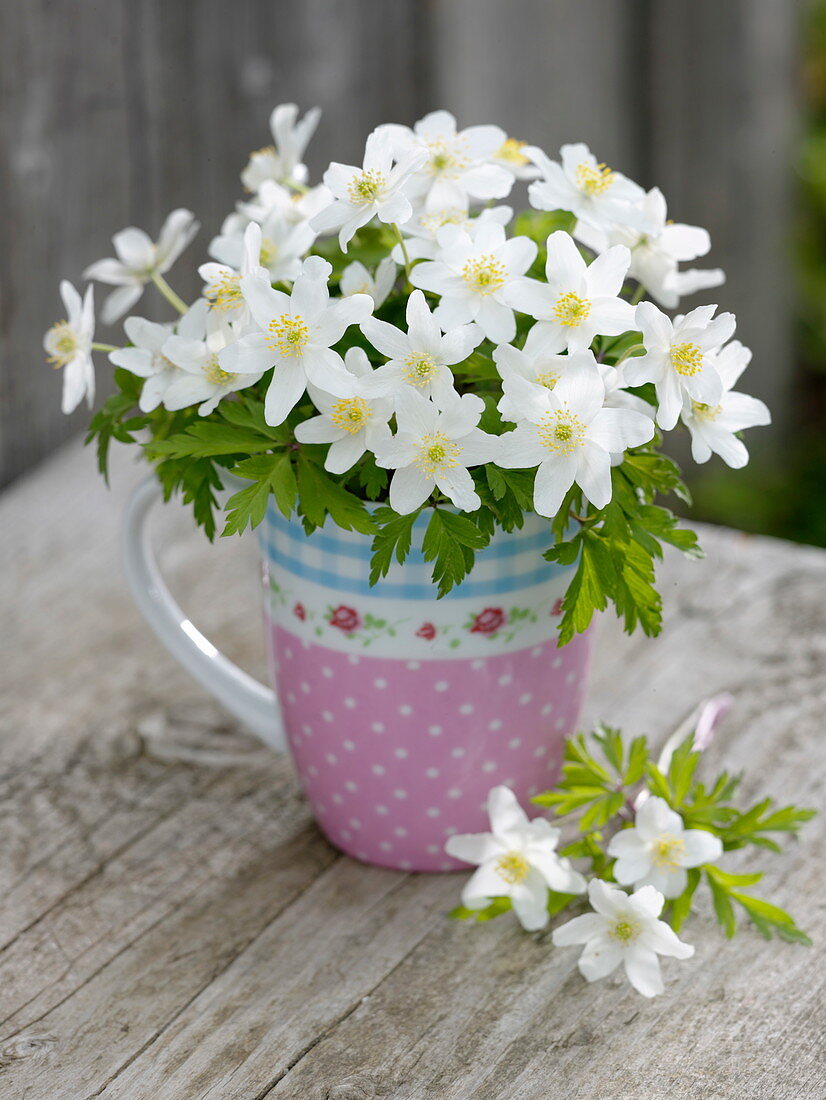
(496, 908)
(319, 495)
(272, 473)
(449, 542)
(723, 908)
(681, 906)
(394, 534)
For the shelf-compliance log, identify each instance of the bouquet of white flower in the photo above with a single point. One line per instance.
(380, 321)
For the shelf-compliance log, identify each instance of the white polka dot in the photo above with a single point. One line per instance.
(327, 716)
(331, 758)
(354, 659)
(413, 665)
(477, 664)
(541, 751)
(305, 687)
(351, 786)
(450, 831)
(349, 745)
(405, 865)
(382, 810)
(546, 710)
(434, 811)
(361, 854)
(569, 679)
(551, 765)
(457, 753)
(466, 708)
(312, 770)
(402, 754)
(496, 724)
(380, 683)
(433, 849)
(378, 769)
(399, 793)
(354, 823)
(509, 782)
(514, 742)
(446, 866)
(337, 799)
(505, 680)
(525, 698)
(307, 730)
(378, 727)
(288, 654)
(327, 671)
(454, 792)
(290, 696)
(536, 651)
(386, 846)
(556, 662)
(560, 723)
(345, 834)
(532, 791)
(441, 685)
(435, 731)
(405, 709)
(489, 766)
(305, 644)
(400, 830)
(432, 773)
(320, 808)
(349, 703)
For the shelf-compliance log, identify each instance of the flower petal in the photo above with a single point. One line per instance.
(700, 847)
(579, 930)
(643, 970)
(473, 847)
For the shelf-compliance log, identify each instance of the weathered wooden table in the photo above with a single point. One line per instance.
(173, 926)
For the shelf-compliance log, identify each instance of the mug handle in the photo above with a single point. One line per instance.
(254, 705)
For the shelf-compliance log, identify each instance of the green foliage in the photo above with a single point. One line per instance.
(450, 542)
(114, 420)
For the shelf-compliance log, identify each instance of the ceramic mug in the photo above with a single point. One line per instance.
(400, 710)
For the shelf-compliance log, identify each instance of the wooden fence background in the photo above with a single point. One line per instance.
(112, 112)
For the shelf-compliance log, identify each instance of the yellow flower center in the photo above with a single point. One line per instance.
(446, 160)
(437, 452)
(64, 344)
(513, 867)
(449, 216)
(214, 373)
(366, 187)
(667, 852)
(511, 151)
(547, 378)
(561, 432)
(265, 150)
(351, 414)
(419, 369)
(705, 412)
(687, 359)
(268, 253)
(226, 293)
(594, 180)
(624, 930)
(571, 310)
(288, 334)
(484, 274)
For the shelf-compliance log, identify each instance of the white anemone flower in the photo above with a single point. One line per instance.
(511, 156)
(295, 336)
(283, 246)
(679, 357)
(282, 161)
(356, 279)
(579, 300)
(432, 449)
(422, 230)
(293, 206)
(140, 260)
(623, 929)
(352, 424)
(517, 859)
(657, 253)
(658, 848)
(456, 165)
(713, 427)
(569, 435)
(597, 195)
(68, 345)
(146, 357)
(222, 287)
(201, 377)
(538, 362)
(376, 190)
(421, 357)
(473, 276)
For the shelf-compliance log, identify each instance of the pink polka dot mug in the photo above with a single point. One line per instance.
(400, 710)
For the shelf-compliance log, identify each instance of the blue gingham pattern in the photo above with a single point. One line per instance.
(340, 560)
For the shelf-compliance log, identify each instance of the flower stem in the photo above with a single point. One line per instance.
(638, 295)
(403, 247)
(631, 351)
(105, 347)
(168, 293)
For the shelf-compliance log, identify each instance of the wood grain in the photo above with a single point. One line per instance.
(174, 927)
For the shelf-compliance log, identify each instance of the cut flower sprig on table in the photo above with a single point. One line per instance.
(629, 821)
(392, 339)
